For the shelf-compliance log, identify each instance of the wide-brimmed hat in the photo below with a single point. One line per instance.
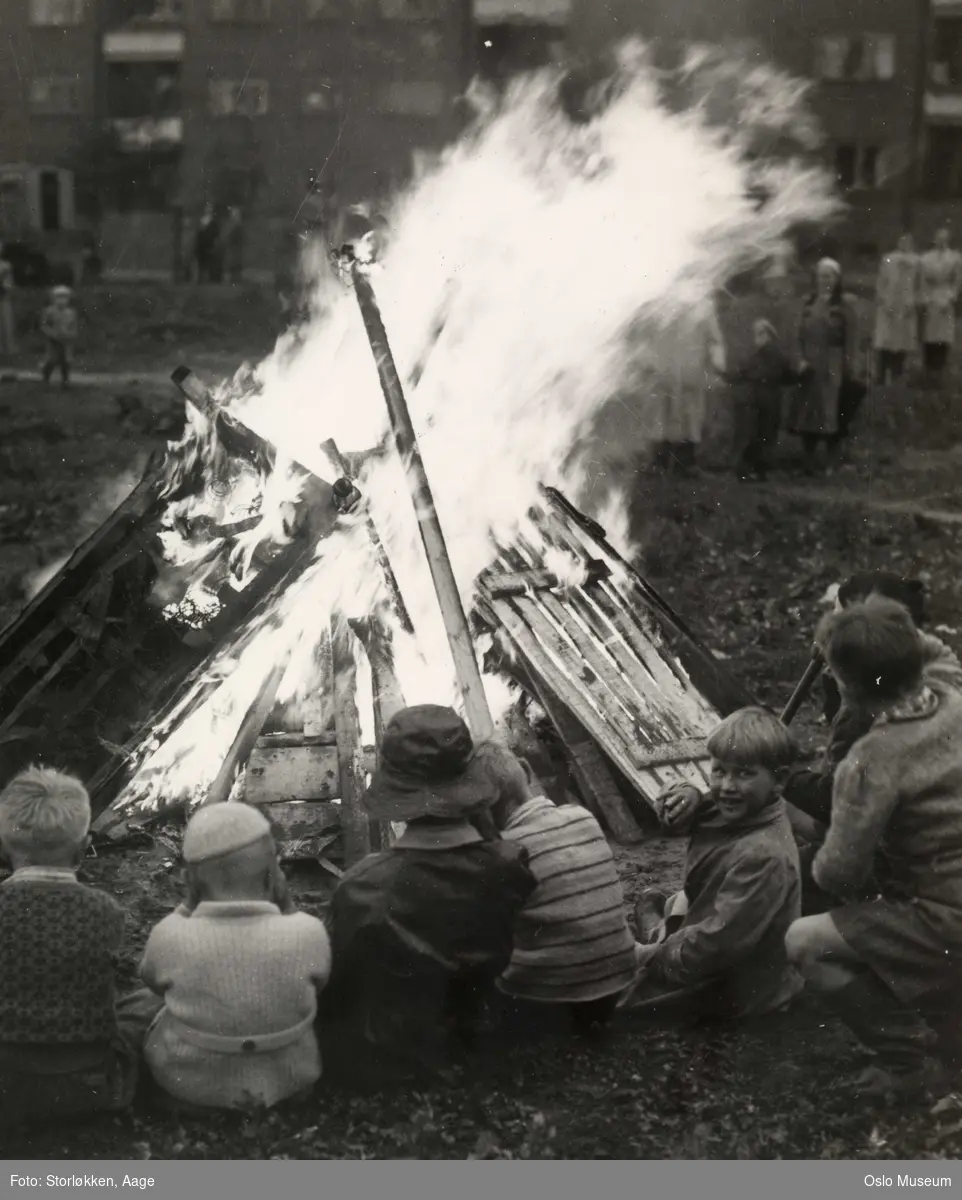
(428, 768)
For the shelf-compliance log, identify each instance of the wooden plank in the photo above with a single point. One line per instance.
(291, 773)
(301, 818)
(590, 678)
(592, 774)
(281, 741)
(542, 667)
(354, 822)
(687, 750)
(246, 737)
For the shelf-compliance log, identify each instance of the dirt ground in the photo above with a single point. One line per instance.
(746, 565)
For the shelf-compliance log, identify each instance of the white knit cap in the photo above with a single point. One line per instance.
(223, 828)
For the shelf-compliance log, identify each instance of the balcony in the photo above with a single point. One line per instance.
(526, 12)
(144, 46)
(137, 134)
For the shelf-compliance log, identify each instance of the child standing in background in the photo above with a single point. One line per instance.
(59, 326)
(764, 375)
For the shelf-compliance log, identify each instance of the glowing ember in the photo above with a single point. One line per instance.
(524, 277)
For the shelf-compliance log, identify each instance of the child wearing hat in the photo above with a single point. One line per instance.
(59, 325)
(421, 931)
(808, 790)
(66, 1047)
(238, 970)
(889, 961)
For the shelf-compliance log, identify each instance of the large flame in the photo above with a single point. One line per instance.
(524, 279)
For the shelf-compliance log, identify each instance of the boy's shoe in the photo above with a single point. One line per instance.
(649, 913)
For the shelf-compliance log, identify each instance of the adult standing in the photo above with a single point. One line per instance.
(233, 243)
(941, 281)
(825, 399)
(204, 244)
(689, 357)
(897, 296)
(8, 333)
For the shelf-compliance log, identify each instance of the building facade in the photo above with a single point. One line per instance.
(866, 58)
(184, 103)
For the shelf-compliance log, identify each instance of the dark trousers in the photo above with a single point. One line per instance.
(584, 1018)
(762, 421)
(57, 357)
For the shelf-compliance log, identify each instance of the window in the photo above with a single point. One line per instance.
(945, 67)
(856, 59)
(410, 10)
(253, 12)
(412, 99)
(319, 96)
(56, 12)
(858, 166)
(56, 95)
(943, 162)
(235, 98)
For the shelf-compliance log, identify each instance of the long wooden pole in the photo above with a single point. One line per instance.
(802, 688)
(439, 562)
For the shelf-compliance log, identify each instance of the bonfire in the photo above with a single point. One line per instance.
(320, 557)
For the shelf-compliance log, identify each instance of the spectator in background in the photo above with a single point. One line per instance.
(204, 240)
(765, 375)
(59, 326)
(941, 282)
(829, 388)
(232, 240)
(8, 331)
(691, 357)
(897, 294)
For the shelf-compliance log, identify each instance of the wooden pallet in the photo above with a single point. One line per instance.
(611, 664)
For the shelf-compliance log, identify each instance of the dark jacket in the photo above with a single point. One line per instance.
(413, 929)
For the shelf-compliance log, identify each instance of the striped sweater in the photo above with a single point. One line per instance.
(571, 940)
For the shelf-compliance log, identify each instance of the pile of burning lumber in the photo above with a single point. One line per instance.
(94, 669)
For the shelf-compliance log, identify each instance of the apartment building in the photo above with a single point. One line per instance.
(867, 61)
(233, 102)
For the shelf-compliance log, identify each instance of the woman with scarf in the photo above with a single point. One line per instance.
(830, 388)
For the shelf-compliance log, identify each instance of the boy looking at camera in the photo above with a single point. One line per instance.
(720, 942)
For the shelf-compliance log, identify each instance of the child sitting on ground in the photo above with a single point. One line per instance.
(719, 945)
(238, 969)
(421, 931)
(572, 945)
(58, 323)
(64, 1047)
(890, 964)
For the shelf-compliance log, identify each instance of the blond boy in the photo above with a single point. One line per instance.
(62, 1049)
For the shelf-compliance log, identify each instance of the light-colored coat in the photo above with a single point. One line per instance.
(941, 281)
(897, 296)
(233, 972)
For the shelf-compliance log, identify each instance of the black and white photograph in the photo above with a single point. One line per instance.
(480, 587)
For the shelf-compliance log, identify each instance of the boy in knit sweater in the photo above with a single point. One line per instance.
(239, 971)
(890, 964)
(572, 944)
(719, 945)
(64, 1049)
